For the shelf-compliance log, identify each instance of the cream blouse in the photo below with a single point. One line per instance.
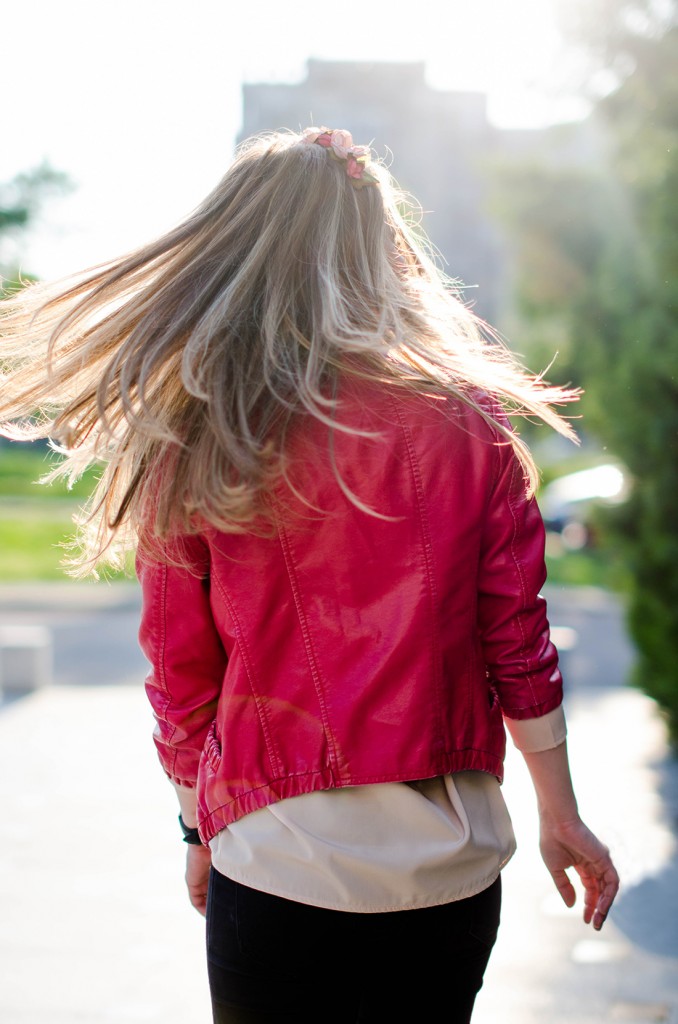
(382, 847)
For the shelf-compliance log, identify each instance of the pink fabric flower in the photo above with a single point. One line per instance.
(353, 168)
(311, 134)
(336, 139)
(342, 142)
(339, 142)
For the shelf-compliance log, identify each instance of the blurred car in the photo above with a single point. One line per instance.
(566, 502)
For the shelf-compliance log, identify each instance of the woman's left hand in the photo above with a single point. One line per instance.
(572, 844)
(198, 863)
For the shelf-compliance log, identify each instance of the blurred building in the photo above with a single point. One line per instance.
(442, 149)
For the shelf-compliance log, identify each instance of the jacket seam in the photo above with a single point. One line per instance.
(499, 441)
(163, 673)
(521, 580)
(311, 655)
(427, 546)
(271, 751)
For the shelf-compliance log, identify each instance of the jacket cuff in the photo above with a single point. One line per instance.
(532, 735)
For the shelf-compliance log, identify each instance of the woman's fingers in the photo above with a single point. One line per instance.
(601, 884)
(574, 845)
(564, 887)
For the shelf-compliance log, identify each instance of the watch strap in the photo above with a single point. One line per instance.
(191, 835)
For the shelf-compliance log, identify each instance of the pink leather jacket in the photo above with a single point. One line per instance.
(351, 648)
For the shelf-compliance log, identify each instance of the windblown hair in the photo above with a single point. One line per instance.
(181, 367)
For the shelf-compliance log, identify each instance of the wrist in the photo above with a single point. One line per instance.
(191, 834)
(550, 773)
(550, 822)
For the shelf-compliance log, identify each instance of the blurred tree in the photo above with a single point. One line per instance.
(598, 269)
(21, 200)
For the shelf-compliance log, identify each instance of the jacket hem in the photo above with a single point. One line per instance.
(211, 821)
(534, 710)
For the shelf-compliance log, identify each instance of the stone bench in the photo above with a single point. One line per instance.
(26, 658)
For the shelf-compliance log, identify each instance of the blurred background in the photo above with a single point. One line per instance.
(539, 137)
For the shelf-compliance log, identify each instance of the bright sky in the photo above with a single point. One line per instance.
(139, 101)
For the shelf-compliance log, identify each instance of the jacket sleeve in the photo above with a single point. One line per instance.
(520, 659)
(187, 660)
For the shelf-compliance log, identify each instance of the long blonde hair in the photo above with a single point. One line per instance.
(180, 367)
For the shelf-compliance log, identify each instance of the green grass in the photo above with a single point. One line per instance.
(31, 548)
(34, 541)
(36, 522)
(21, 466)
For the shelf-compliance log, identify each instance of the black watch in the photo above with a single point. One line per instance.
(191, 835)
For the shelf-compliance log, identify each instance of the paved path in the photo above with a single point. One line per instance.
(95, 927)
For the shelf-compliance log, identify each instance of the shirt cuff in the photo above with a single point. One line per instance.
(187, 803)
(531, 735)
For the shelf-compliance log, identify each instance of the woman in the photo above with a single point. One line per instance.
(305, 436)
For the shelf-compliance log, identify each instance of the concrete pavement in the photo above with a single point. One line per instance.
(94, 923)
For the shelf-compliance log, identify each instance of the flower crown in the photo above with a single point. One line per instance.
(339, 144)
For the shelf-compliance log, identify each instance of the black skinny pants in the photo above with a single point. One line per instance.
(270, 959)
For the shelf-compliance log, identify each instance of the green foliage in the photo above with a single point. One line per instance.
(616, 35)
(22, 197)
(598, 266)
(12, 281)
(21, 200)
(600, 566)
(558, 222)
(629, 337)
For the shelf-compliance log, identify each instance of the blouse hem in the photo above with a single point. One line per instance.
(470, 889)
